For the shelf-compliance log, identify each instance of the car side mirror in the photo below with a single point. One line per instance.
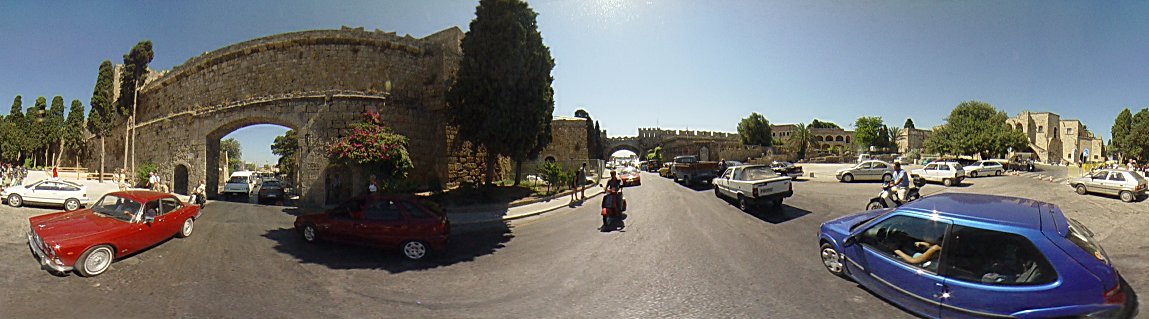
(850, 241)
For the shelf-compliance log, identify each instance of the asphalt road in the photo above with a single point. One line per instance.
(683, 254)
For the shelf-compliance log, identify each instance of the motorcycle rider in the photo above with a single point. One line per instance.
(612, 201)
(900, 184)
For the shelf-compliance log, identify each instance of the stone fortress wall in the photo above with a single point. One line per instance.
(315, 82)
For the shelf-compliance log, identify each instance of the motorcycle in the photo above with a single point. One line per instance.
(886, 199)
(613, 206)
(198, 200)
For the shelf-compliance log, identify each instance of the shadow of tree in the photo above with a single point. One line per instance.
(465, 245)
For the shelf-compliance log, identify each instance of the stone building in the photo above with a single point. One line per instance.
(911, 139)
(825, 138)
(1053, 140)
(568, 140)
(707, 145)
(316, 83)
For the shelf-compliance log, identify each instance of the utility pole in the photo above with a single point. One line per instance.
(135, 95)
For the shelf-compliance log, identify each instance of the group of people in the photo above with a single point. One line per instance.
(12, 175)
(1132, 166)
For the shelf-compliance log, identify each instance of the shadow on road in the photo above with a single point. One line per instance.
(778, 215)
(698, 187)
(464, 246)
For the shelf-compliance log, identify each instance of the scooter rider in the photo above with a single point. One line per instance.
(900, 184)
(612, 201)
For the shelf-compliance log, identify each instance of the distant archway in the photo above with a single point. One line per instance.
(180, 179)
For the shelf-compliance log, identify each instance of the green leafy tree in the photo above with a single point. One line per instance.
(502, 97)
(134, 75)
(1137, 145)
(103, 116)
(375, 146)
(287, 147)
(655, 154)
(801, 140)
(37, 132)
(73, 132)
(234, 153)
(820, 124)
(593, 141)
(1122, 126)
(868, 132)
(15, 128)
(598, 151)
(975, 127)
(755, 130)
(54, 123)
(909, 124)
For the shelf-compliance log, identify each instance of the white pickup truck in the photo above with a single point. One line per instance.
(753, 184)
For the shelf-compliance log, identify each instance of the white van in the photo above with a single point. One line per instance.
(240, 184)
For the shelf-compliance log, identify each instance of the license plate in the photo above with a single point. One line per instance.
(272, 195)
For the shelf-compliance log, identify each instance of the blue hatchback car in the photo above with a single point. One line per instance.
(977, 256)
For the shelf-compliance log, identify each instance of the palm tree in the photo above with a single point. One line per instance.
(801, 141)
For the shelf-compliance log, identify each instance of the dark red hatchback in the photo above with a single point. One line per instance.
(380, 221)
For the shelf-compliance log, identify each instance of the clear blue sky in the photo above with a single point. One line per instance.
(674, 64)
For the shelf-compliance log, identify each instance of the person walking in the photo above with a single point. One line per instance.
(55, 173)
(153, 181)
(582, 181)
(373, 184)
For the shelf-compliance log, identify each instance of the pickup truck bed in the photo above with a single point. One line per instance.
(752, 186)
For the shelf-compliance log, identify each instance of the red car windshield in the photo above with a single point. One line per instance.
(117, 207)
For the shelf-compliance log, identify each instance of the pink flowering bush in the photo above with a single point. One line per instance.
(373, 144)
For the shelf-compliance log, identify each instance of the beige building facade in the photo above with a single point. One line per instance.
(1053, 140)
(911, 139)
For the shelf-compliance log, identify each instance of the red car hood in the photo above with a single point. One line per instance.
(64, 226)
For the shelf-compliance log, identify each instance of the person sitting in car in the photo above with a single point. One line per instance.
(923, 252)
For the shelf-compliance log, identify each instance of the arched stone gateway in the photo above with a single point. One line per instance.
(314, 82)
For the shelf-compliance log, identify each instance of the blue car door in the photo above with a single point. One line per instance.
(898, 259)
(996, 274)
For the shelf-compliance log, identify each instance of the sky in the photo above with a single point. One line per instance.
(700, 65)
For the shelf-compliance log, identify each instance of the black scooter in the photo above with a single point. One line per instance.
(885, 198)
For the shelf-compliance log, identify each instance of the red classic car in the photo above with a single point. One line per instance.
(630, 176)
(386, 221)
(119, 224)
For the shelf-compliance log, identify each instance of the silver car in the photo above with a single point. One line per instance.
(872, 170)
(1129, 186)
(984, 168)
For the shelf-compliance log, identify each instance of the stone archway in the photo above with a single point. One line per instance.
(180, 179)
(215, 173)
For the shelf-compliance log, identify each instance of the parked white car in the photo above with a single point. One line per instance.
(947, 173)
(752, 185)
(984, 168)
(872, 170)
(53, 192)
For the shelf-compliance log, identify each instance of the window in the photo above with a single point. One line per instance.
(68, 187)
(1040, 129)
(728, 174)
(344, 210)
(152, 209)
(757, 173)
(866, 165)
(383, 211)
(1100, 175)
(900, 237)
(1068, 131)
(414, 210)
(1083, 238)
(995, 258)
(168, 205)
(1117, 176)
(931, 167)
(879, 165)
(46, 186)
